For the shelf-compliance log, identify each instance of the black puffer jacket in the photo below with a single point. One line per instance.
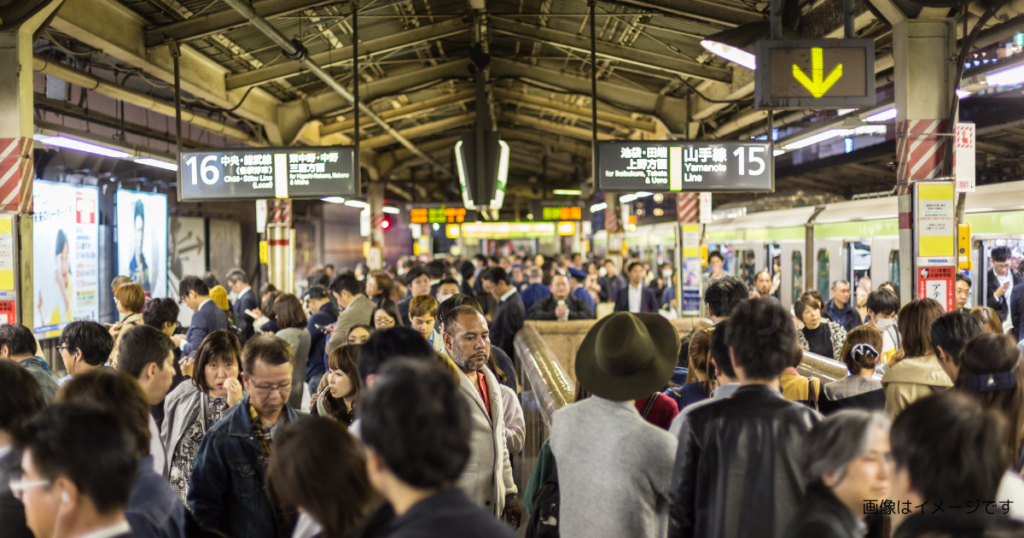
(737, 470)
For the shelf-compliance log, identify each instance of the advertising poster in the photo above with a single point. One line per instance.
(186, 255)
(65, 262)
(142, 239)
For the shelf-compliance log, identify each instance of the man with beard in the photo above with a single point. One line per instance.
(487, 477)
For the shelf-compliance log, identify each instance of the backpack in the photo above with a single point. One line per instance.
(543, 521)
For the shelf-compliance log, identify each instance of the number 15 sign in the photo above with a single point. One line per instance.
(685, 166)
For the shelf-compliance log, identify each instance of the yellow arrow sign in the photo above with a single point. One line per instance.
(816, 85)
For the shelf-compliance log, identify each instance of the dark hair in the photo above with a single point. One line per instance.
(422, 306)
(803, 303)
(384, 284)
(882, 301)
(448, 280)
(435, 269)
(89, 446)
(996, 354)
(222, 344)
(496, 274)
(159, 311)
(268, 349)
(724, 294)
(480, 257)
(367, 328)
(390, 343)
(988, 318)
(467, 270)
(763, 336)
(317, 292)
(345, 282)
(267, 288)
(415, 273)
(862, 359)
(92, 338)
(715, 254)
(916, 318)
(720, 349)
(267, 307)
(952, 331)
(21, 396)
(451, 317)
(1001, 254)
(140, 346)
(632, 265)
(140, 211)
(288, 311)
(236, 275)
(318, 466)
(317, 279)
(890, 284)
(455, 301)
(390, 308)
(116, 392)
(62, 241)
(700, 359)
(683, 360)
(18, 339)
(193, 283)
(210, 280)
(960, 277)
(952, 447)
(417, 421)
(132, 296)
(343, 358)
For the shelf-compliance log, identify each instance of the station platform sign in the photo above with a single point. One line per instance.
(685, 166)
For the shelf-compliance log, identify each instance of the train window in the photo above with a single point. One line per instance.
(746, 267)
(894, 267)
(823, 277)
(798, 275)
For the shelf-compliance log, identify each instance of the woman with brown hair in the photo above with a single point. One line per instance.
(291, 324)
(379, 286)
(988, 317)
(129, 298)
(991, 372)
(699, 383)
(859, 390)
(819, 335)
(914, 372)
(338, 399)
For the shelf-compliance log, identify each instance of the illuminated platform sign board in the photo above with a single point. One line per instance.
(815, 73)
(692, 166)
(437, 215)
(245, 174)
(560, 210)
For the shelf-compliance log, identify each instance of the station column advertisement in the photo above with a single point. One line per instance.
(142, 239)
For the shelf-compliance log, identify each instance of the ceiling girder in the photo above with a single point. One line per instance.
(584, 113)
(420, 107)
(418, 131)
(222, 21)
(552, 127)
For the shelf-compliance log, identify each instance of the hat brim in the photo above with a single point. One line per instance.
(650, 378)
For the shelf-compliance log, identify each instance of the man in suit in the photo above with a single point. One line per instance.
(560, 305)
(536, 290)
(318, 300)
(1001, 281)
(245, 299)
(208, 316)
(357, 307)
(510, 314)
(636, 297)
(1017, 312)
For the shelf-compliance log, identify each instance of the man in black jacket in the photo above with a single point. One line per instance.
(511, 313)
(245, 299)
(21, 397)
(1000, 282)
(325, 313)
(560, 305)
(737, 469)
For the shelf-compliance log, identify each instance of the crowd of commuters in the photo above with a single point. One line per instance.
(380, 404)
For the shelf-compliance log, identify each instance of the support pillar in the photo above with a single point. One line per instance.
(281, 245)
(16, 129)
(375, 193)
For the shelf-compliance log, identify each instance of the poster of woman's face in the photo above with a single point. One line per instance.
(142, 239)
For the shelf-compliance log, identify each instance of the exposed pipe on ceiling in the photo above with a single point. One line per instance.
(292, 51)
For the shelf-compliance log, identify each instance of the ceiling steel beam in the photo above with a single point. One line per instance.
(584, 113)
(425, 129)
(419, 107)
(222, 21)
(703, 10)
(553, 143)
(552, 127)
(632, 55)
(343, 55)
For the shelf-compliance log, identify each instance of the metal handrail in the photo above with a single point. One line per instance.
(551, 386)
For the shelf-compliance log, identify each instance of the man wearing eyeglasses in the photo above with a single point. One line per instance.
(21, 397)
(227, 491)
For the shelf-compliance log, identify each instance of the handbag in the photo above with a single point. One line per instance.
(543, 521)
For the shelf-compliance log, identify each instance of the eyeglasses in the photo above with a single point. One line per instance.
(19, 486)
(64, 347)
(284, 387)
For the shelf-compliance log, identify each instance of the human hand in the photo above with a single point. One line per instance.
(186, 364)
(234, 389)
(562, 311)
(114, 330)
(1001, 290)
(178, 339)
(328, 329)
(513, 515)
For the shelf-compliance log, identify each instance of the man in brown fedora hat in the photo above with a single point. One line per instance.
(737, 470)
(614, 468)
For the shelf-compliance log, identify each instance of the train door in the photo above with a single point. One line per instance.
(791, 254)
(748, 260)
(984, 270)
(883, 250)
(829, 264)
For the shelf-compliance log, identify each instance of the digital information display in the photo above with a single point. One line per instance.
(437, 215)
(815, 73)
(703, 165)
(559, 209)
(247, 174)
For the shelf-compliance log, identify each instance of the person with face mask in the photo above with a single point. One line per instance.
(446, 289)
(882, 306)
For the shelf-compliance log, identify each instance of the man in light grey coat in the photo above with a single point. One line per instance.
(357, 308)
(487, 478)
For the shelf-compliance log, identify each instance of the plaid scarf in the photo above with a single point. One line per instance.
(261, 430)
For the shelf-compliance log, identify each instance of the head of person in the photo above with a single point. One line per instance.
(721, 361)
(609, 268)
(989, 319)
(210, 280)
(1001, 260)
(318, 467)
(147, 355)
(480, 260)
(637, 272)
(17, 342)
(218, 359)
(499, 281)
(386, 315)
(422, 314)
(723, 296)
(416, 429)
(763, 282)
(916, 318)
(63, 487)
(193, 291)
(237, 280)
(288, 312)
(267, 364)
(505, 263)
(990, 370)
(451, 303)
(140, 224)
(447, 288)
(560, 287)
(808, 310)
(329, 270)
(947, 447)
(162, 313)
(345, 287)
(762, 337)
(418, 281)
(388, 344)
(378, 285)
(849, 454)
(358, 334)
(840, 292)
(699, 352)
(84, 345)
(949, 334)
(882, 306)
(861, 350)
(436, 269)
(517, 273)
(626, 356)
(21, 397)
(343, 374)
(129, 298)
(62, 254)
(316, 298)
(267, 289)
(118, 280)
(467, 338)
(118, 393)
(963, 290)
(535, 275)
(267, 306)
(715, 261)
(219, 296)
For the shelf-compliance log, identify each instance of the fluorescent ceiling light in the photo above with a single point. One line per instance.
(1006, 77)
(962, 94)
(333, 199)
(78, 145)
(885, 115)
(627, 198)
(834, 133)
(357, 203)
(392, 210)
(777, 152)
(567, 192)
(731, 53)
(158, 163)
(598, 207)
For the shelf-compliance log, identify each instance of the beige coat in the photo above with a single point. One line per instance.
(910, 380)
(358, 312)
(487, 478)
(132, 320)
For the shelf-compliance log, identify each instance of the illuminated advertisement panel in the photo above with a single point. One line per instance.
(142, 239)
